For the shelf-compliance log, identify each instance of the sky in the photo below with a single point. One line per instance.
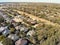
(48, 1)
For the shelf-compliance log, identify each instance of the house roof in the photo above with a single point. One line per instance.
(31, 33)
(23, 28)
(17, 19)
(17, 27)
(6, 32)
(13, 37)
(21, 42)
(2, 28)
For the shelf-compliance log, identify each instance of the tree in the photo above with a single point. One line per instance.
(1, 19)
(7, 41)
(2, 37)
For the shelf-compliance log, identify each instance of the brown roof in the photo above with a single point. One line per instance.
(21, 42)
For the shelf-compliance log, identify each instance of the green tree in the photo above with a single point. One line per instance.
(2, 37)
(1, 19)
(7, 41)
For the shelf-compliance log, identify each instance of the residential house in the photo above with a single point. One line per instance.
(17, 32)
(17, 27)
(24, 29)
(14, 37)
(3, 24)
(31, 33)
(14, 23)
(20, 16)
(6, 32)
(2, 29)
(17, 19)
(21, 28)
(21, 42)
(31, 21)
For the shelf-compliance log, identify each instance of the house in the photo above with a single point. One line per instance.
(14, 37)
(31, 33)
(14, 23)
(21, 42)
(6, 32)
(3, 24)
(17, 27)
(21, 28)
(2, 29)
(20, 16)
(17, 19)
(31, 21)
(17, 32)
(24, 29)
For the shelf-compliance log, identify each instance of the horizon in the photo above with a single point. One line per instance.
(41, 1)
